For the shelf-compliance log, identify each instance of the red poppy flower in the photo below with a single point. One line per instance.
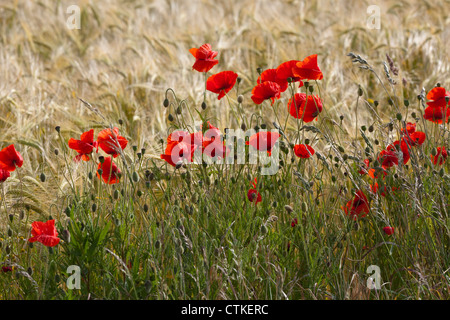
(271, 75)
(107, 142)
(253, 195)
(84, 146)
(374, 174)
(10, 158)
(414, 139)
(176, 152)
(284, 71)
(438, 95)
(441, 156)
(266, 90)
(364, 168)
(263, 141)
(393, 147)
(436, 115)
(294, 222)
(308, 69)
(388, 158)
(221, 83)
(410, 128)
(303, 151)
(299, 108)
(357, 207)
(4, 174)
(213, 148)
(110, 171)
(204, 58)
(388, 230)
(45, 233)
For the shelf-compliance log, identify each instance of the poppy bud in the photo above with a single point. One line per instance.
(166, 103)
(414, 115)
(134, 148)
(341, 117)
(289, 79)
(307, 141)
(376, 142)
(94, 207)
(259, 70)
(238, 80)
(11, 217)
(333, 178)
(178, 165)
(345, 156)
(390, 102)
(90, 176)
(56, 151)
(135, 176)
(363, 128)
(10, 232)
(391, 126)
(58, 129)
(139, 193)
(170, 117)
(399, 116)
(441, 172)
(256, 128)
(288, 195)
(100, 172)
(311, 89)
(288, 208)
(371, 128)
(375, 103)
(116, 194)
(101, 159)
(341, 149)
(243, 127)
(360, 91)
(8, 250)
(263, 126)
(434, 152)
(30, 271)
(120, 121)
(438, 85)
(240, 98)
(406, 102)
(178, 111)
(42, 177)
(145, 207)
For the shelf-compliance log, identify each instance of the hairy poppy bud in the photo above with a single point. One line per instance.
(391, 126)
(434, 152)
(94, 207)
(145, 207)
(135, 176)
(333, 178)
(178, 111)
(11, 217)
(100, 172)
(288, 208)
(311, 89)
(170, 117)
(166, 103)
(307, 141)
(58, 129)
(363, 128)
(259, 70)
(289, 79)
(238, 80)
(341, 149)
(56, 151)
(240, 98)
(375, 103)
(42, 177)
(341, 117)
(139, 193)
(90, 176)
(399, 116)
(406, 102)
(30, 271)
(376, 142)
(120, 121)
(101, 159)
(9, 232)
(371, 128)
(243, 126)
(360, 91)
(116, 194)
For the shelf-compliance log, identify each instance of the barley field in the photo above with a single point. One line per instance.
(370, 195)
